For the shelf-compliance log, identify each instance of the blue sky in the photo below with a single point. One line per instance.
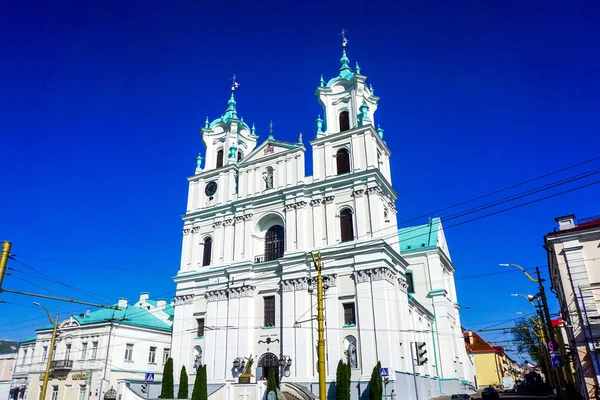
(102, 103)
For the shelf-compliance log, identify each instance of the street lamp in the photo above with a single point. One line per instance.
(529, 297)
(531, 278)
(50, 352)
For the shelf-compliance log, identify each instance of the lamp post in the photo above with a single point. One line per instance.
(50, 351)
(546, 313)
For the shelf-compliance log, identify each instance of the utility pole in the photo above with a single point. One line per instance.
(4, 259)
(320, 328)
(50, 352)
(551, 337)
(412, 360)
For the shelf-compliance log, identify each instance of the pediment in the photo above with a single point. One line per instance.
(270, 149)
(70, 323)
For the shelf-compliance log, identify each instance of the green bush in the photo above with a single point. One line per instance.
(182, 393)
(376, 384)
(342, 381)
(166, 390)
(272, 382)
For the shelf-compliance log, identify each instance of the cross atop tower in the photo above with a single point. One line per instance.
(234, 83)
(344, 40)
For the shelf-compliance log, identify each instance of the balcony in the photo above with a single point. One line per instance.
(61, 365)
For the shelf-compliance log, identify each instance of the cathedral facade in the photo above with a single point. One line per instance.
(246, 295)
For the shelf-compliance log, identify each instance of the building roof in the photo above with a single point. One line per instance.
(419, 237)
(129, 315)
(475, 344)
(591, 224)
(7, 347)
(28, 339)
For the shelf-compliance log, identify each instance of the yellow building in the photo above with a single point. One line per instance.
(491, 363)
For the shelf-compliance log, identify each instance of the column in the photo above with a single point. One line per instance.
(365, 320)
(299, 168)
(289, 171)
(238, 246)
(195, 247)
(228, 247)
(332, 328)
(258, 181)
(288, 330)
(361, 214)
(318, 219)
(304, 360)
(248, 252)
(249, 183)
(376, 223)
(357, 156)
(331, 223)
(280, 174)
(247, 322)
(328, 158)
(382, 288)
(221, 337)
(218, 245)
(210, 351)
(185, 249)
(232, 323)
(303, 225)
(290, 226)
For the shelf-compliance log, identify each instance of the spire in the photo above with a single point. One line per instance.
(357, 68)
(344, 60)
(231, 111)
(319, 122)
(253, 130)
(380, 131)
(198, 163)
(300, 138)
(372, 90)
(322, 81)
(363, 116)
(206, 123)
(271, 137)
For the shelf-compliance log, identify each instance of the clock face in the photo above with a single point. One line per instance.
(211, 188)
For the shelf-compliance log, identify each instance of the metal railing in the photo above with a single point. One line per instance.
(61, 364)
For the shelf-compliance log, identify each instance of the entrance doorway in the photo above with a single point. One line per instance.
(266, 363)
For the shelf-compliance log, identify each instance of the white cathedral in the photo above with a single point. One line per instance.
(246, 285)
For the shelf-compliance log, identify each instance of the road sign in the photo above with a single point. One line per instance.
(557, 362)
(384, 372)
(149, 377)
(552, 346)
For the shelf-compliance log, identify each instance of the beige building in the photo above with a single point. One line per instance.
(574, 266)
(96, 350)
(8, 356)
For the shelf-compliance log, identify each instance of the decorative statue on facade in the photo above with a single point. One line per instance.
(352, 355)
(248, 367)
(268, 177)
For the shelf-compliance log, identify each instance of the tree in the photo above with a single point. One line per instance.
(200, 391)
(272, 382)
(183, 384)
(525, 334)
(375, 384)
(342, 381)
(166, 390)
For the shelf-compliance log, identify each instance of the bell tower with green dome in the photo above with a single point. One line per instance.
(228, 138)
(346, 140)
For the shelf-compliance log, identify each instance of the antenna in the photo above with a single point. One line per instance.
(344, 40)
(234, 83)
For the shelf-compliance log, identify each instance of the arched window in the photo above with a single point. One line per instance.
(343, 161)
(346, 228)
(344, 121)
(220, 158)
(274, 243)
(351, 351)
(207, 251)
(239, 156)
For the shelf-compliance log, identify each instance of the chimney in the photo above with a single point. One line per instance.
(144, 296)
(566, 222)
(161, 304)
(122, 302)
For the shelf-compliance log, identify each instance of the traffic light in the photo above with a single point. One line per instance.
(421, 352)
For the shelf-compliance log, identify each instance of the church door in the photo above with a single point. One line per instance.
(266, 363)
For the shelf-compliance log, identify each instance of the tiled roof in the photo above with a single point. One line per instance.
(420, 237)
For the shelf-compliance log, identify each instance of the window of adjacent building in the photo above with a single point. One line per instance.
(219, 158)
(39, 393)
(206, 254)
(129, 352)
(344, 121)
(269, 308)
(81, 395)
(349, 314)
(68, 351)
(166, 353)
(83, 350)
(411, 284)
(346, 227)
(54, 352)
(200, 322)
(32, 353)
(54, 392)
(152, 355)
(342, 158)
(274, 243)
(44, 353)
(94, 350)
(24, 356)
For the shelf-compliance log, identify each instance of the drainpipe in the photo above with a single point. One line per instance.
(437, 373)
